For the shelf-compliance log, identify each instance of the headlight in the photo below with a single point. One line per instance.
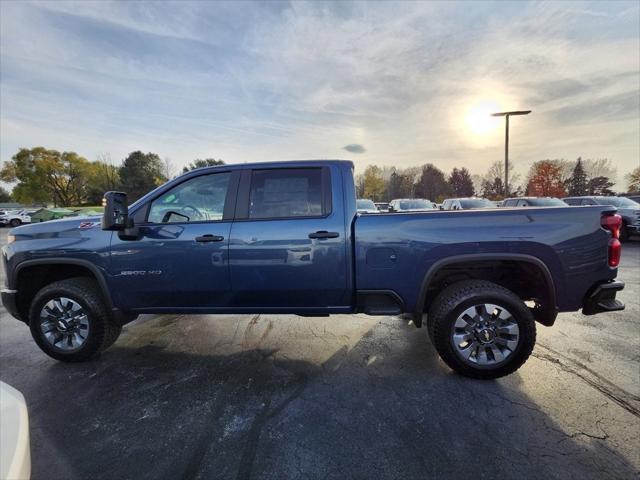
(11, 239)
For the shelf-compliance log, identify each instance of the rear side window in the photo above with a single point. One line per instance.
(286, 193)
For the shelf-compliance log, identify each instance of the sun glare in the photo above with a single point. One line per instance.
(479, 119)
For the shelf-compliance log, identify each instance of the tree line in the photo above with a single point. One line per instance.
(67, 179)
(546, 178)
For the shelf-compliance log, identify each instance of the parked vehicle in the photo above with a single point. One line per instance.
(15, 219)
(382, 207)
(411, 205)
(366, 206)
(286, 238)
(469, 203)
(533, 202)
(635, 198)
(15, 450)
(627, 209)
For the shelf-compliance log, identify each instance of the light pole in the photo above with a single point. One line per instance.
(506, 115)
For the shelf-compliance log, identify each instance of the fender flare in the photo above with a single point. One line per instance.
(518, 257)
(95, 271)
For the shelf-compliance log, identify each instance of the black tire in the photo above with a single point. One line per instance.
(15, 222)
(624, 233)
(102, 331)
(453, 301)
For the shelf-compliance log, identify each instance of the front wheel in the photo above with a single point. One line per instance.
(70, 321)
(481, 330)
(15, 222)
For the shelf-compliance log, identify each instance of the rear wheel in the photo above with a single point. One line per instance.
(481, 329)
(70, 321)
(15, 222)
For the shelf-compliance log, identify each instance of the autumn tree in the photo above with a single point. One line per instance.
(373, 184)
(545, 179)
(104, 177)
(633, 180)
(577, 184)
(47, 175)
(200, 163)
(461, 183)
(432, 184)
(492, 183)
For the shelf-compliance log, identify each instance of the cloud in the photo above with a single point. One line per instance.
(354, 148)
(283, 80)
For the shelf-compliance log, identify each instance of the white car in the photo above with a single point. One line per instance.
(366, 206)
(16, 218)
(15, 453)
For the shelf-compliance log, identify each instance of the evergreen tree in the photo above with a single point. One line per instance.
(578, 185)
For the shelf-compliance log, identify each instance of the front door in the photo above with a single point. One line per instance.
(288, 247)
(180, 257)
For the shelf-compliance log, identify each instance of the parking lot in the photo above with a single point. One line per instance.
(274, 397)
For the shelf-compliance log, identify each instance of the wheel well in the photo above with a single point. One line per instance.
(526, 279)
(32, 278)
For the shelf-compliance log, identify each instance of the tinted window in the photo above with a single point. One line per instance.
(415, 204)
(546, 202)
(196, 200)
(476, 203)
(588, 201)
(509, 203)
(286, 192)
(572, 201)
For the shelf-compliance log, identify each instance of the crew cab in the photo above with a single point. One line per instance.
(286, 238)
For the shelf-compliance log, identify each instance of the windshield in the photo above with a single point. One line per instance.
(477, 203)
(416, 204)
(546, 202)
(365, 205)
(621, 202)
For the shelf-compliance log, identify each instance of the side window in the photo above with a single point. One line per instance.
(588, 201)
(522, 203)
(198, 199)
(286, 193)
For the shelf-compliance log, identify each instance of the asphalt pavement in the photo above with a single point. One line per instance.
(287, 397)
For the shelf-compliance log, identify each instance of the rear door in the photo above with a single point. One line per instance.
(287, 248)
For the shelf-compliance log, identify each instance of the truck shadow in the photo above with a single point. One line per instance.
(385, 408)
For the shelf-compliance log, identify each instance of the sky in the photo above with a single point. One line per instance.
(386, 83)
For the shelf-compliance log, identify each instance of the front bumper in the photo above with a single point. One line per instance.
(633, 228)
(9, 302)
(603, 299)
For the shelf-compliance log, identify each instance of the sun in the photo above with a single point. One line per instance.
(479, 120)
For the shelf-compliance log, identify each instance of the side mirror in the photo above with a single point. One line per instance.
(116, 211)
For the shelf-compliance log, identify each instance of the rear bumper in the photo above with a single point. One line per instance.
(603, 299)
(9, 302)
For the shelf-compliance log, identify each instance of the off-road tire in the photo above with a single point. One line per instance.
(103, 332)
(454, 300)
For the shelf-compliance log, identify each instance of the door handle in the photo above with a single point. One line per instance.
(209, 238)
(324, 234)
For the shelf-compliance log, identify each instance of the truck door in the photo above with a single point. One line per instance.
(179, 259)
(288, 248)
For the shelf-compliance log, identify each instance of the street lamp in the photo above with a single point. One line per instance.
(506, 115)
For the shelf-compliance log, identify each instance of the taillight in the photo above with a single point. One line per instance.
(613, 223)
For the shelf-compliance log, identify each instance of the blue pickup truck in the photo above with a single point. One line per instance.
(286, 238)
